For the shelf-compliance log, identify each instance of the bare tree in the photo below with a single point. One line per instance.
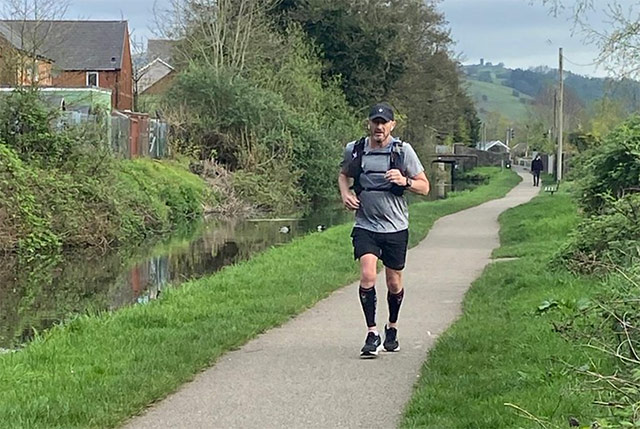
(137, 50)
(29, 34)
(219, 33)
(617, 37)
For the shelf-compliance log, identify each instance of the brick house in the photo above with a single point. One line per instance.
(158, 73)
(84, 54)
(19, 66)
(155, 77)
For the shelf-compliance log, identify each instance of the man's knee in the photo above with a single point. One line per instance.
(368, 270)
(394, 287)
(368, 278)
(394, 281)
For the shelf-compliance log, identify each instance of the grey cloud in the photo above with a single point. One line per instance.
(516, 33)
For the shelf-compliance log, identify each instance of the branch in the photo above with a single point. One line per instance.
(528, 415)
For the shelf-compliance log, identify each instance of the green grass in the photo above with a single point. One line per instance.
(499, 99)
(98, 370)
(504, 348)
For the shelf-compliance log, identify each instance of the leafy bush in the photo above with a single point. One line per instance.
(61, 186)
(612, 169)
(602, 241)
(26, 222)
(609, 179)
(26, 127)
(250, 130)
(273, 190)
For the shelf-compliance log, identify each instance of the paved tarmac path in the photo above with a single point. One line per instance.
(308, 374)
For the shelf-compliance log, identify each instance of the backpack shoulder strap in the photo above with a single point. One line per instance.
(355, 164)
(397, 154)
(358, 147)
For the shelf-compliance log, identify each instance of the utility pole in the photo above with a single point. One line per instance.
(555, 113)
(560, 118)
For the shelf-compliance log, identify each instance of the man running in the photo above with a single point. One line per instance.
(382, 167)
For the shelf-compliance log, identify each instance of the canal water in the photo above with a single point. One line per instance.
(35, 297)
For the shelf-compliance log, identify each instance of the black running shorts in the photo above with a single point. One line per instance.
(391, 247)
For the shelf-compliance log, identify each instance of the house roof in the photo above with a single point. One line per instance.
(161, 48)
(10, 36)
(489, 145)
(153, 72)
(72, 45)
(157, 62)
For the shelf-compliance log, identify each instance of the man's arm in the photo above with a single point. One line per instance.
(419, 182)
(349, 199)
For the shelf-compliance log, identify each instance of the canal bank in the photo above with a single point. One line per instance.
(38, 295)
(97, 370)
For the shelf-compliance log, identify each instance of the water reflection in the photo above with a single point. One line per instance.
(35, 297)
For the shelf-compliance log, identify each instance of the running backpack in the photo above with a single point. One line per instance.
(354, 169)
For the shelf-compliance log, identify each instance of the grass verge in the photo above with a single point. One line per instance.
(97, 201)
(97, 370)
(506, 348)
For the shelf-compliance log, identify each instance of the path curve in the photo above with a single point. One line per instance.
(307, 373)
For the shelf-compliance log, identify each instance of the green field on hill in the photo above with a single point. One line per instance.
(493, 97)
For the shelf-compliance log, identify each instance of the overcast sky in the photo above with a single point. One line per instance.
(510, 31)
(519, 33)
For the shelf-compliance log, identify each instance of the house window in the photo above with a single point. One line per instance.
(92, 78)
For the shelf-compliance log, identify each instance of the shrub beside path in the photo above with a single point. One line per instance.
(307, 373)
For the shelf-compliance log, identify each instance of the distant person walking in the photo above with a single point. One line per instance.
(382, 167)
(536, 169)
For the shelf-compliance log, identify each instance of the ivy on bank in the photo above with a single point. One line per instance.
(61, 186)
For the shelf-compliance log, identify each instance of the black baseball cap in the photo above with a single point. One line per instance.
(381, 110)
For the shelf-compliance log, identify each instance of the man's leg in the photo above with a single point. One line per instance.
(365, 248)
(367, 290)
(394, 254)
(368, 300)
(395, 294)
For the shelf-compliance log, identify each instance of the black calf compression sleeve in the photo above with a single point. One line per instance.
(394, 301)
(368, 300)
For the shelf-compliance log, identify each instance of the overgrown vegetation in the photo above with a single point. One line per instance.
(607, 193)
(97, 370)
(62, 187)
(553, 337)
(606, 243)
(506, 362)
(282, 119)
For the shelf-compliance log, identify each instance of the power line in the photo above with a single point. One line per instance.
(595, 63)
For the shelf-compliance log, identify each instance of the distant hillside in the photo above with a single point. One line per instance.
(494, 97)
(508, 91)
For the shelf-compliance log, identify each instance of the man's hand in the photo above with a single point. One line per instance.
(350, 201)
(394, 176)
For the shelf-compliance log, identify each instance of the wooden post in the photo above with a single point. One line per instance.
(560, 124)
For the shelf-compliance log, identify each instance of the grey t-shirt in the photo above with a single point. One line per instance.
(381, 211)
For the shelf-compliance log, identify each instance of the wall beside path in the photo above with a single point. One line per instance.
(484, 158)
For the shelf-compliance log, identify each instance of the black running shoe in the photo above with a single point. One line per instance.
(372, 344)
(391, 339)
